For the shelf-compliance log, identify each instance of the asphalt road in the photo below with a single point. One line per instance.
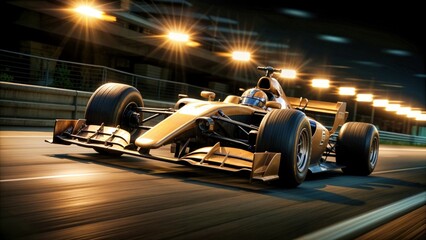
(68, 192)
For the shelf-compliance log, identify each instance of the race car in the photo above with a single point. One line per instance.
(262, 131)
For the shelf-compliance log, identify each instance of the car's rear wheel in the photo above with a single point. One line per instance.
(115, 104)
(357, 148)
(288, 132)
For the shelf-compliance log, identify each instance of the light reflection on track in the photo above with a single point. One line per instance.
(48, 177)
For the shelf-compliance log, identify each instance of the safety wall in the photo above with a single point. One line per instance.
(37, 106)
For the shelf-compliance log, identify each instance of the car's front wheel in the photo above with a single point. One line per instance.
(287, 131)
(115, 104)
(357, 148)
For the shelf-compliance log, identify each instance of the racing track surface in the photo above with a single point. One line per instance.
(68, 192)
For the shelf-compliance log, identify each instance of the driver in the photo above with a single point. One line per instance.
(254, 97)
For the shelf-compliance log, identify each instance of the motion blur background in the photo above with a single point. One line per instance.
(377, 50)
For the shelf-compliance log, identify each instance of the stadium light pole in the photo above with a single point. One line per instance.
(241, 58)
(320, 83)
(364, 97)
(378, 103)
(347, 92)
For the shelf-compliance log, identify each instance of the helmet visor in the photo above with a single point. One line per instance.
(251, 101)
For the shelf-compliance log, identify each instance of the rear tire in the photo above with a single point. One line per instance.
(357, 148)
(288, 132)
(115, 104)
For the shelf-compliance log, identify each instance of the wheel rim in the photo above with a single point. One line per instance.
(302, 150)
(131, 118)
(373, 152)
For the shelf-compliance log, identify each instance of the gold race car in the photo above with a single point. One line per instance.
(262, 131)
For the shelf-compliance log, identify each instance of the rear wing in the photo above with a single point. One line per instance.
(338, 109)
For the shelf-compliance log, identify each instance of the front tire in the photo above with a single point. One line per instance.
(357, 148)
(115, 104)
(288, 132)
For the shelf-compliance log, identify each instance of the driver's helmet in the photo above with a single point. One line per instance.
(254, 97)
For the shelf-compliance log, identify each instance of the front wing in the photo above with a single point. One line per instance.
(263, 166)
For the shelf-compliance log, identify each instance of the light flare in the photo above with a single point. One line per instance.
(241, 56)
(364, 97)
(347, 91)
(288, 73)
(178, 37)
(380, 102)
(320, 83)
(90, 11)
